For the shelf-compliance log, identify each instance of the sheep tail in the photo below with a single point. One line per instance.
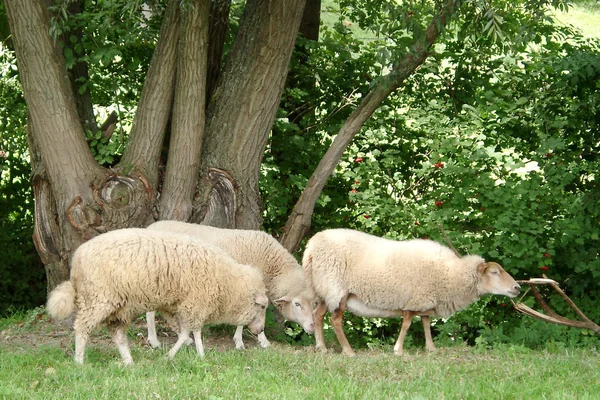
(61, 301)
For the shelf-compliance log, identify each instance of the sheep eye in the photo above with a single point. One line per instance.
(297, 304)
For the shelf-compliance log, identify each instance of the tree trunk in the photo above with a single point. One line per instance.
(75, 198)
(154, 108)
(187, 127)
(241, 113)
(217, 32)
(299, 221)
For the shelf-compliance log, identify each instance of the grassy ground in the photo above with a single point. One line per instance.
(584, 15)
(37, 363)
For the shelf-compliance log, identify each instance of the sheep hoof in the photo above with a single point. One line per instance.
(153, 344)
(322, 349)
(240, 346)
(349, 353)
(398, 352)
(189, 342)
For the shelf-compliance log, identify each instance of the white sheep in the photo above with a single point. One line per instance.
(121, 274)
(284, 277)
(376, 277)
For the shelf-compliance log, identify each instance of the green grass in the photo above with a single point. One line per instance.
(37, 366)
(584, 15)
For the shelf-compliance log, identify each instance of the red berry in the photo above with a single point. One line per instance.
(544, 268)
(547, 255)
(482, 209)
(359, 159)
(354, 191)
(367, 216)
(417, 223)
(439, 165)
(503, 304)
(425, 237)
(548, 155)
(356, 182)
(439, 203)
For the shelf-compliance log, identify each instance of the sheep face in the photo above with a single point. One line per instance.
(495, 280)
(298, 308)
(258, 312)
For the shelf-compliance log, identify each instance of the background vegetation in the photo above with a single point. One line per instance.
(494, 138)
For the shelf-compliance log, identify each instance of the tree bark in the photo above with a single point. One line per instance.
(154, 108)
(242, 111)
(299, 220)
(217, 32)
(188, 116)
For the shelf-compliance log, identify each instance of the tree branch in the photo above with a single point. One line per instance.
(187, 127)
(154, 108)
(299, 221)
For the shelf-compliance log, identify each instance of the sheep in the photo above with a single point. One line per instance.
(284, 277)
(119, 275)
(376, 277)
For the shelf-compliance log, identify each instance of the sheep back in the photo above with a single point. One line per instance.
(136, 270)
(415, 275)
(283, 275)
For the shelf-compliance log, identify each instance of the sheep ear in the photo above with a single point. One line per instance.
(481, 268)
(284, 299)
(261, 299)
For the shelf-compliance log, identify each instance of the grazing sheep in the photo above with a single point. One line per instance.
(121, 274)
(284, 278)
(375, 277)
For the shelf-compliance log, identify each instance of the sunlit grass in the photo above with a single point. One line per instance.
(36, 365)
(584, 15)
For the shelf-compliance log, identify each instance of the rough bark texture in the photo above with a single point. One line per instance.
(75, 199)
(299, 221)
(243, 107)
(217, 32)
(154, 108)
(188, 118)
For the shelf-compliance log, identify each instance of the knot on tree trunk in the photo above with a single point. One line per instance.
(221, 206)
(124, 201)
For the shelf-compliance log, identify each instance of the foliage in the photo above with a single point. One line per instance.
(490, 139)
(22, 276)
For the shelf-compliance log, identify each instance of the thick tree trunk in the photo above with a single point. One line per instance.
(75, 198)
(154, 108)
(217, 32)
(299, 221)
(188, 118)
(242, 111)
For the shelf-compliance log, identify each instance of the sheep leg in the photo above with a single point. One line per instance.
(406, 322)
(182, 338)
(237, 338)
(337, 323)
(263, 341)
(427, 329)
(117, 330)
(318, 316)
(151, 322)
(81, 339)
(198, 340)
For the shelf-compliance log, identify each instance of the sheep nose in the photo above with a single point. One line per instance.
(517, 287)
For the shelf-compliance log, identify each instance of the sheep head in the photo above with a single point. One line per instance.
(495, 280)
(298, 307)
